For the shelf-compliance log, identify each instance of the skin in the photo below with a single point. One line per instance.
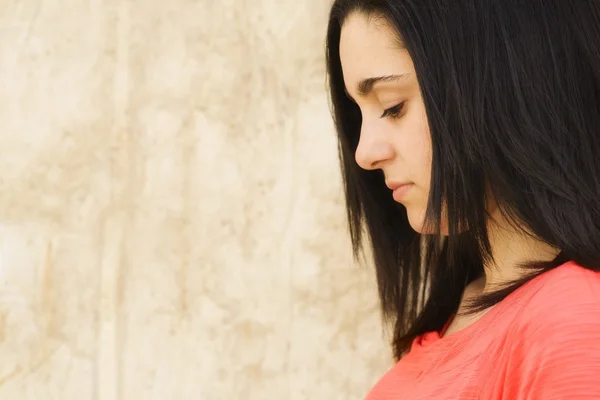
(395, 138)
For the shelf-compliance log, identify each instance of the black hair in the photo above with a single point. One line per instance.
(511, 90)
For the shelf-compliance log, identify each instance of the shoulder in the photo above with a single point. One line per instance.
(556, 337)
(568, 294)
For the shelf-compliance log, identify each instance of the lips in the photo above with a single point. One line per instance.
(399, 189)
(392, 185)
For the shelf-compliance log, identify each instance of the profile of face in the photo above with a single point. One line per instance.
(380, 78)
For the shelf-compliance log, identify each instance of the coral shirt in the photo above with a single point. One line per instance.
(542, 342)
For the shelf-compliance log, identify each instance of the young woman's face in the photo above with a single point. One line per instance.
(394, 135)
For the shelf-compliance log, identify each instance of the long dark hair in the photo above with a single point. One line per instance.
(512, 94)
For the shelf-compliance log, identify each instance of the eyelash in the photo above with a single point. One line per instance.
(393, 112)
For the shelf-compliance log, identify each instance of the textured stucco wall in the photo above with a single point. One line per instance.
(171, 220)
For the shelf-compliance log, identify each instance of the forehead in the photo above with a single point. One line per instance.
(370, 47)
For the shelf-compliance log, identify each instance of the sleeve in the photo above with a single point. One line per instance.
(558, 358)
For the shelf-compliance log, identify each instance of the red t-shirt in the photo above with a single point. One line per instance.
(540, 343)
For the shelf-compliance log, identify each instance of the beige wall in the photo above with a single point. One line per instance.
(171, 220)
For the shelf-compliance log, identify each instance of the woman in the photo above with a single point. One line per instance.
(469, 136)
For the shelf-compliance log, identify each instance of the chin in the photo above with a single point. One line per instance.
(416, 219)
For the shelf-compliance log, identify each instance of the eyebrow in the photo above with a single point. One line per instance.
(365, 86)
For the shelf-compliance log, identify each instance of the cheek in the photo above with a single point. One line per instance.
(418, 158)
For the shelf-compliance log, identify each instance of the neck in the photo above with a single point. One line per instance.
(510, 248)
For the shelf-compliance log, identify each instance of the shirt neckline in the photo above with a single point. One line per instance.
(471, 331)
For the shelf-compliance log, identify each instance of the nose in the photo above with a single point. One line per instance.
(373, 149)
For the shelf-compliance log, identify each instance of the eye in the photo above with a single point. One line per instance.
(393, 112)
